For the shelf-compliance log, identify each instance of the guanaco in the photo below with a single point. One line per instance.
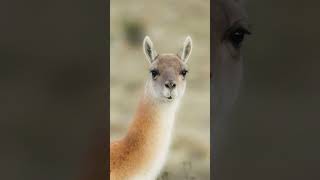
(141, 154)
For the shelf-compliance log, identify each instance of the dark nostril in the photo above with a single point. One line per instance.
(170, 85)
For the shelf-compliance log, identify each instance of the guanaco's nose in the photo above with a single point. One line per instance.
(170, 84)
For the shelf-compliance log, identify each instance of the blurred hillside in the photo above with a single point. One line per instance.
(167, 23)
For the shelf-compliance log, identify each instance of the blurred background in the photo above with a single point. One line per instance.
(53, 79)
(273, 132)
(167, 23)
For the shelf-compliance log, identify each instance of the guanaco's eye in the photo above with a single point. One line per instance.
(184, 72)
(154, 73)
(236, 37)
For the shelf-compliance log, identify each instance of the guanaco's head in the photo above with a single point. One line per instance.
(167, 79)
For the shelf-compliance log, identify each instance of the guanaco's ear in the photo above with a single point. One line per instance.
(149, 50)
(186, 50)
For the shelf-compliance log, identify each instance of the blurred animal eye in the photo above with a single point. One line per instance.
(154, 73)
(184, 72)
(236, 37)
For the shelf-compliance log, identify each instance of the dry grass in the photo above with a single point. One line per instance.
(167, 23)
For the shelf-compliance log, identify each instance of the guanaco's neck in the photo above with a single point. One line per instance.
(152, 120)
(148, 139)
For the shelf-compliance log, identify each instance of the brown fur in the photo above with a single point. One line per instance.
(137, 148)
(170, 63)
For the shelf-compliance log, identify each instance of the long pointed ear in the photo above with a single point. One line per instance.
(149, 50)
(186, 50)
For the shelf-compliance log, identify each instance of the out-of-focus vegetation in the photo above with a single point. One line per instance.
(167, 23)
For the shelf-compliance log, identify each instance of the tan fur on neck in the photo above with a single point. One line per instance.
(141, 153)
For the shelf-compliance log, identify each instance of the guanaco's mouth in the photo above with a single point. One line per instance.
(169, 98)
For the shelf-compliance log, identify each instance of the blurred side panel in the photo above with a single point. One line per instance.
(54, 78)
